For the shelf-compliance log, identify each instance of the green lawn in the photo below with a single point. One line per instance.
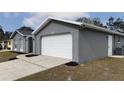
(5, 56)
(97, 70)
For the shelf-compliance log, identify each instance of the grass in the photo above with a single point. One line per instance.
(5, 56)
(106, 69)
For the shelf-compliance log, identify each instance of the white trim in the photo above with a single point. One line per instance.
(110, 42)
(20, 33)
(66, 21)
(12, 34)
(17, 32)
(47, 20)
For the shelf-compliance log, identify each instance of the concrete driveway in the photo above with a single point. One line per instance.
(24, 66)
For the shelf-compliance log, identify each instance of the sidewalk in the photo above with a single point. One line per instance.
(25, 66)
(117, 56)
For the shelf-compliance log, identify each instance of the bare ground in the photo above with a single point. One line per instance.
(106, 69)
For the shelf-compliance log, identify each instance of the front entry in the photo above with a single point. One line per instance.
(30, 45)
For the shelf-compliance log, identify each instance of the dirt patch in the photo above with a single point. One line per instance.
(107, 69)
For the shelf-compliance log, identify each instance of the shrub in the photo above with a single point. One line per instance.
(0, 46)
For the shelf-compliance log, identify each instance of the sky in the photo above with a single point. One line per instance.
(10, 21)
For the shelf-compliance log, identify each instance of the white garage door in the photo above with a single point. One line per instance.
(57, 45)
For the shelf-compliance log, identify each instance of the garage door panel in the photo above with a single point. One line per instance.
(57, 45)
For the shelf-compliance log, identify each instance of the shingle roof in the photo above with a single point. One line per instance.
(22, 32)
(25, 32)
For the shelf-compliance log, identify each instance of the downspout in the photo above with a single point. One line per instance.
(25, 44)
(114, 45)
(34, 44)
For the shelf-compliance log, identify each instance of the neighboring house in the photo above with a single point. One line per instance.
(22, 41)
(6, 44)
(9, 44)
(79, 42)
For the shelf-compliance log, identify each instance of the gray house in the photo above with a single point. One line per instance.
(77, 41)
(22, 41)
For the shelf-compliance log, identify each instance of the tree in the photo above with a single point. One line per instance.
(7, 35)
(94, 21)
(110, 23)
(85, 20)
(119, 25)
(115, 24)
(97, 22)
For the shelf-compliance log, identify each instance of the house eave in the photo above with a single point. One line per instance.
(46, 21)
(102, 29)
(15, 33)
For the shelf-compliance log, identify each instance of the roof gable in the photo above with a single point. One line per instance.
(82, 25)
(25, 32)
(22, 33)
(49, 19)
(14, 33)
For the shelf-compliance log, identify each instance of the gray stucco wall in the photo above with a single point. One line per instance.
(16, 41)
(92, 45)
(57, 28)
(87, 45)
